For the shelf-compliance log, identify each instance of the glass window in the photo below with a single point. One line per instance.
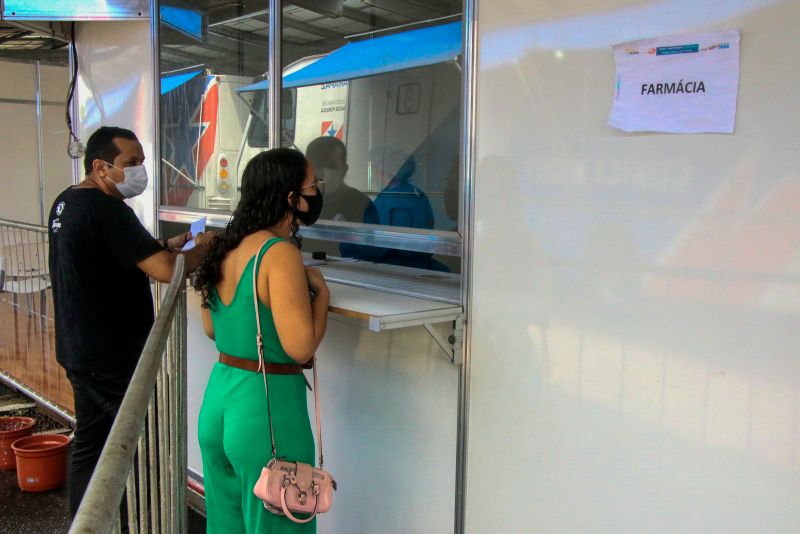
(375, 105)
(209, 52)
(371, 94)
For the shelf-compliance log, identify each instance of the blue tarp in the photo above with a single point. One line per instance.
(406, 50)
(168, 83)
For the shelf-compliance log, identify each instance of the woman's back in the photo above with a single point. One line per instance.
(233, 312)
(279, 191)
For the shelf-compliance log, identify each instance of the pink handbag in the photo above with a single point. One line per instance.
(288, 488)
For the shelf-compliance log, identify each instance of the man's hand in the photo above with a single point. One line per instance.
(175, 244)
(203, 239)
(194, 257)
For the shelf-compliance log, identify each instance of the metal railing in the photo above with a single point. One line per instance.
(27, 334)
(144, 458)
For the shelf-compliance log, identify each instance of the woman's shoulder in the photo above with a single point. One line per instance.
(278, 251)
(282, 253)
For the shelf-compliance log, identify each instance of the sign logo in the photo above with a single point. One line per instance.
(328, 128)
(60, 208)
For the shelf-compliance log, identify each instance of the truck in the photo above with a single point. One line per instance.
(202, 123)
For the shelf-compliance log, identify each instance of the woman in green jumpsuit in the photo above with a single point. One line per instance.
(279, 190)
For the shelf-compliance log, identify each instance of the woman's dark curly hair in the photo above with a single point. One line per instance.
(266, 183)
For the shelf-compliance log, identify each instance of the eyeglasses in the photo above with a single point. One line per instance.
(319, 184)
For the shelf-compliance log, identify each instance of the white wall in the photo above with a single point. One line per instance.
(115, 88)
(635, 345)
(19, 158)
(389, 425)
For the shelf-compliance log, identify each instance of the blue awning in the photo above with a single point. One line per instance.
(389, 53)
(168, 83)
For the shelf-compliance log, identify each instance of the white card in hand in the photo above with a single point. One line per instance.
(198, 227)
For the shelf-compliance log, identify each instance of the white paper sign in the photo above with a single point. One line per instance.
(678, 84)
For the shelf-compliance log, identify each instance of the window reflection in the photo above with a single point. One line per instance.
(371, 95)
(208, 53)
(377, 110)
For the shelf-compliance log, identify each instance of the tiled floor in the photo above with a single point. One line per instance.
(27, 347)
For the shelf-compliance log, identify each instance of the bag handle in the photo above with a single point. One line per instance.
(262, 364)
(288, 513)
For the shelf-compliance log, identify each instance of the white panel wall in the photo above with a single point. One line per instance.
(389, 425)
(635, 343)
(115, 88)
(56, 162)
(19, 148)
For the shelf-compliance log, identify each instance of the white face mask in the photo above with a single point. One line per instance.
(334, 178)
(135, 181)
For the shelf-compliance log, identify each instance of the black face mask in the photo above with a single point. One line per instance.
(314, 209)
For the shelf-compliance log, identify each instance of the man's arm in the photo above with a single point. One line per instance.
(161, 265)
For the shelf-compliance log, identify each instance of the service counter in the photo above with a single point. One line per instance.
(389, 397)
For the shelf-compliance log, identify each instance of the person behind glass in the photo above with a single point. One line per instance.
(100, 259)
(342, 202)
(279, 192)
(401, 203)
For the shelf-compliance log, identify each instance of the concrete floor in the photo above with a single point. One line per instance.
(23, 512)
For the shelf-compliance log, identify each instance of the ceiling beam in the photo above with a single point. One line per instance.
(406, 9)
(338, 38)
(373, 21)
(14, 35)
(56, 56)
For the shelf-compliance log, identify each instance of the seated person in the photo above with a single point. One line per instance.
(402, 203)
(342, 202)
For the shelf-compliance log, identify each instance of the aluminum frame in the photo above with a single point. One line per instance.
(39, 141)
(275, 74)
(155, 42)
(427, 241)
(431, 241)
(448, 243)
(75, 10)
(466, 226)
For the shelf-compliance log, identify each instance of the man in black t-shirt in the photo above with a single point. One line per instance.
(100, 260)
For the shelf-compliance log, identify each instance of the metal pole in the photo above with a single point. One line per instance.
(275, 79)
(39, 140)
(133, 515)
(152, 465)
(182, 455)
(144, 517)
(156, 58)
(466, 224)
(161, 455)
(177, 424)
(49, 406)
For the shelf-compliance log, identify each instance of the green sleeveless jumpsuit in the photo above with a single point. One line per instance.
(233, 429)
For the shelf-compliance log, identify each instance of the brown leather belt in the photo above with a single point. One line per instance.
(271, 368)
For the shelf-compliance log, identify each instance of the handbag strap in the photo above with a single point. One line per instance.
(262, 363)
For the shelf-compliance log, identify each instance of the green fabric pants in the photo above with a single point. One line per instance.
(234, 438)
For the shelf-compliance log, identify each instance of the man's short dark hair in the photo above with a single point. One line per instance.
(101, 145)
(321, 150)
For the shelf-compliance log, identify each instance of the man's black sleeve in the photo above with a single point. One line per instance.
(126, 238)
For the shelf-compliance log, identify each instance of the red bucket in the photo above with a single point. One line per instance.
(11, 429)
(41, 461)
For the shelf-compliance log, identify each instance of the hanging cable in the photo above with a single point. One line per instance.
(74, 146)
